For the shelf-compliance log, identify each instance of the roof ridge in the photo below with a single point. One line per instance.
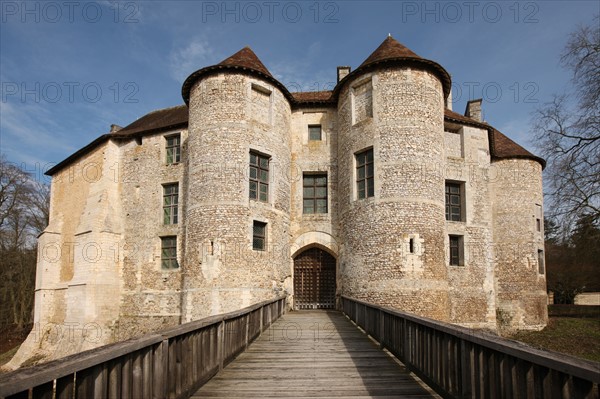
(164, 109)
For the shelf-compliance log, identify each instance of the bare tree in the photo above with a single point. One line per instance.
(13, 188)
(24, 208)
(568, 131)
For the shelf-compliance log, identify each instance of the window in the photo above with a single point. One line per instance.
(541, 266)
(453, 202)
(170, 201)
(259, 177)
(314, 132)
(538, 224)
(259, 236)
(456, 250)
(314, 189)
(168, 253)
(365, 183)
(173, 149)
(411, 246)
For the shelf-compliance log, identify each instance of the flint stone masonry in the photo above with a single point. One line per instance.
(99, 267)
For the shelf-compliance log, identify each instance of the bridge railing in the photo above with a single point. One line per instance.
(173, 363)
(462, 363)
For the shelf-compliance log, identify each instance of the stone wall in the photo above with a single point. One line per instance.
(79, 258)
(406, 134)
(516, 185)
(471, 285)
(227, 121)
(151, 296)
(100, 279)
(310, 156)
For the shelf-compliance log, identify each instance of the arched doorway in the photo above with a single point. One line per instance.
(314, 280)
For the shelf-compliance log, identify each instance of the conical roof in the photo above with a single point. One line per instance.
(392, 52)
(244, 61)
(390, 49)
(246, 58)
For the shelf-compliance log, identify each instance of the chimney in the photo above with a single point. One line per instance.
(473, 109)
(115, 128)
(342, 72)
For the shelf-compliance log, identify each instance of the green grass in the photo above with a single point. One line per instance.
(573, 336)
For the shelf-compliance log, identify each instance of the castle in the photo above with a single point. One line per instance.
(375, 190)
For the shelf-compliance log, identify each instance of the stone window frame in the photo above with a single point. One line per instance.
(176, 148)
(365, 80)
(263, 236)
(315, 197)
(366, 178)
(257, 180)
(456, 241)
(168, 253)
(170, 211)
(310, 132)
(255, 87)
(461, 133)
(461, 199)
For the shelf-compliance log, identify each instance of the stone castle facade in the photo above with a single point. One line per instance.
(375, 190)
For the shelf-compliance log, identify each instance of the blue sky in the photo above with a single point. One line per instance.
(69, 70)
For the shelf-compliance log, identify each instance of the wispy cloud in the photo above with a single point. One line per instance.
(185, 60)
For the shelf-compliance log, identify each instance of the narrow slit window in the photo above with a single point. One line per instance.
(456, 251)
(259, 236)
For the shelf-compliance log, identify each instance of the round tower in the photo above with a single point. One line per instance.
(391, 161)
(516, 181)
(237, 214)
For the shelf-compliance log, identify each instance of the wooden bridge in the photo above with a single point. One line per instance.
(316, 354)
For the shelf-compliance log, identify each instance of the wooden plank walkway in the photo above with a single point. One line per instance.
(314, 354)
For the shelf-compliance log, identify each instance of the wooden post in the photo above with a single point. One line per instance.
(161, 367)
(381, 329)
(262, 327)
(221, 343)
(246, 338)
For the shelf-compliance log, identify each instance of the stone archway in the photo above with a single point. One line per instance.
(314, 279)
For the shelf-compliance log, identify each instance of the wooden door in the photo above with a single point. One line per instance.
(314, 280)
